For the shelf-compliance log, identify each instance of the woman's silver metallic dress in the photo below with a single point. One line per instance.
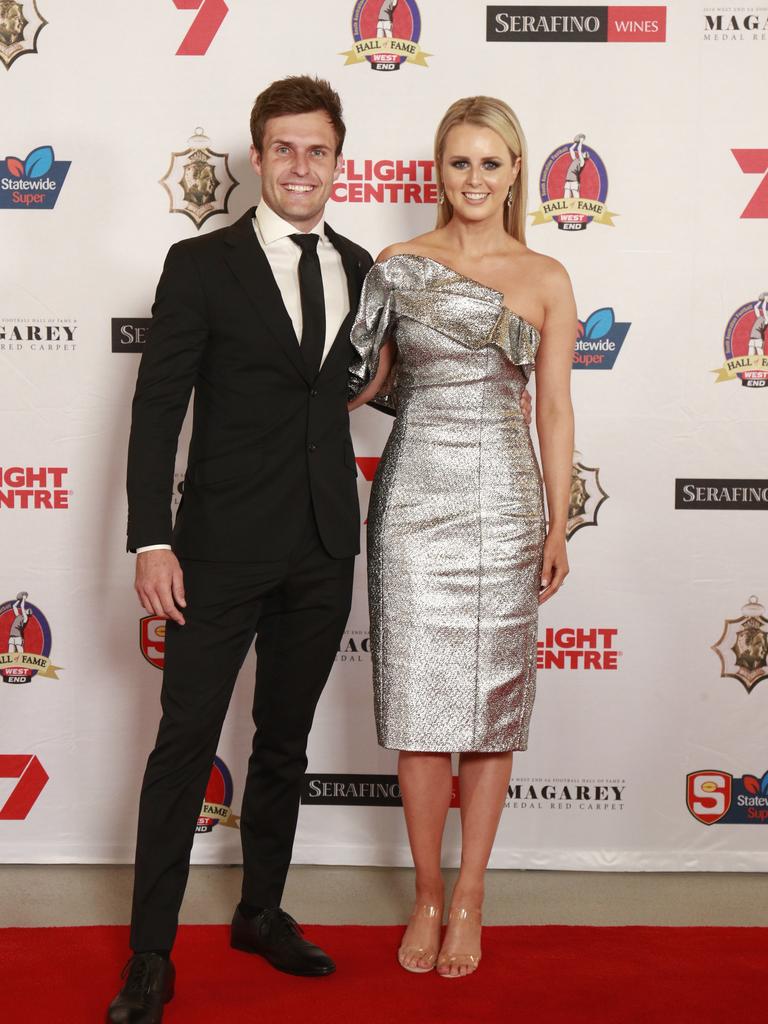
(456, 520)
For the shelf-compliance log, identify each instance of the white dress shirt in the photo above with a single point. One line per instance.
(283, 255)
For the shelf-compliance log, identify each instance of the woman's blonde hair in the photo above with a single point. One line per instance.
(488, 112)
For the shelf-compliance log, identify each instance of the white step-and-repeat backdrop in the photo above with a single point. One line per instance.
(125, 129)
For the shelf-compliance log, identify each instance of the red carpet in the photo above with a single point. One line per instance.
(532, 975)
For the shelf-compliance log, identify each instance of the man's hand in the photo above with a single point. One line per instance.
(160, 584)
(525, 406)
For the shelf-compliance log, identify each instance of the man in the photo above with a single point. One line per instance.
(578, 157)
(254, 318)
(19, 624)
(384, 25)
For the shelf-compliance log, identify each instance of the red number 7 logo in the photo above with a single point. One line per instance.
(32, 778)
(754, 161)
(204, 28)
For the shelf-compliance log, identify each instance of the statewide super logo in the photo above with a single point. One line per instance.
(20, 25)
(33, 183)
(744, 345)
(198, 181)
(574, 187)
(599, 340)
(217, 804)
(743, 647)
(25, 642)
(587, 495)
(386, 34)
(716, 798)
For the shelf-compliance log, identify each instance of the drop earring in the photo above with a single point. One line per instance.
(510, 195)
(441, 197)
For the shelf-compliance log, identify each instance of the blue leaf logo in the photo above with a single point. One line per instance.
(39, 162)
(764, 784)
(600, 323)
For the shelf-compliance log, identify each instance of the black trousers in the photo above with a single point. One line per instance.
(297, 609)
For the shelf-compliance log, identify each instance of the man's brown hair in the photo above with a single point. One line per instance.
(297, 94)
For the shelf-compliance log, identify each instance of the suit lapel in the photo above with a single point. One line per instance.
(248, 263)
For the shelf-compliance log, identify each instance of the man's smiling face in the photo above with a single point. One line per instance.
(298, 166)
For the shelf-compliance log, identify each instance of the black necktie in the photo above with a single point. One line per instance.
(312, 302)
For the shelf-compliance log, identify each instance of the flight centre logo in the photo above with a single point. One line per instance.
(573, 186)
(744, 345)
(599, 340)
(20, 25)
(33, 183)
(717, 798)
(743, 646)
(217, 802)
(33, 487)
(386, 34)
(579, 648)
(386, 181)
(25, 642)
(586, 497)
(198, 180)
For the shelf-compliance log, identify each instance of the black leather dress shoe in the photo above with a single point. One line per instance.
(275, 935)
(149, 981)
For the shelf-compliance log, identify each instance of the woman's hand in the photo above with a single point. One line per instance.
(555, 567)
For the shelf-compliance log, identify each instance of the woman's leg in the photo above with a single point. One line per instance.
(483, 782)
(425, 785)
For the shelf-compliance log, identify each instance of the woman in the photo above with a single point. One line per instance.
(458, 555)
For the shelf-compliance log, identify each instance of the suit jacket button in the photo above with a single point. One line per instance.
(313, 447)
(313, 393)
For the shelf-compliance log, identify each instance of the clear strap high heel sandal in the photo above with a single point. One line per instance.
(411, 958)
(470, 961)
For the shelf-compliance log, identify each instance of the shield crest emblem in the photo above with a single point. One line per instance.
(586, 497)
(152, 639)
(198, 180)
(708, 795)
(743, 646)
(20, 25)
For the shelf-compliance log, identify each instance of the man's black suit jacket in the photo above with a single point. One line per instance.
(267, 438)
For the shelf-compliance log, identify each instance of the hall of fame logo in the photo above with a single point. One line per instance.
(386, 34)
(743, 647)
(586, 496)
(744, 345)
(217, 803)
(20, 25)
(25, 642)
(574, 187)
(198, 181)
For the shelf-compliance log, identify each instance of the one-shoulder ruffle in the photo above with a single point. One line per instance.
(396, 287)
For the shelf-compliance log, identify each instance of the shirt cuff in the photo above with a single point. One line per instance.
(154, 547)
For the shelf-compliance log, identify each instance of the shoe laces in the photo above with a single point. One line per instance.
(137, 971)
(282, 921)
